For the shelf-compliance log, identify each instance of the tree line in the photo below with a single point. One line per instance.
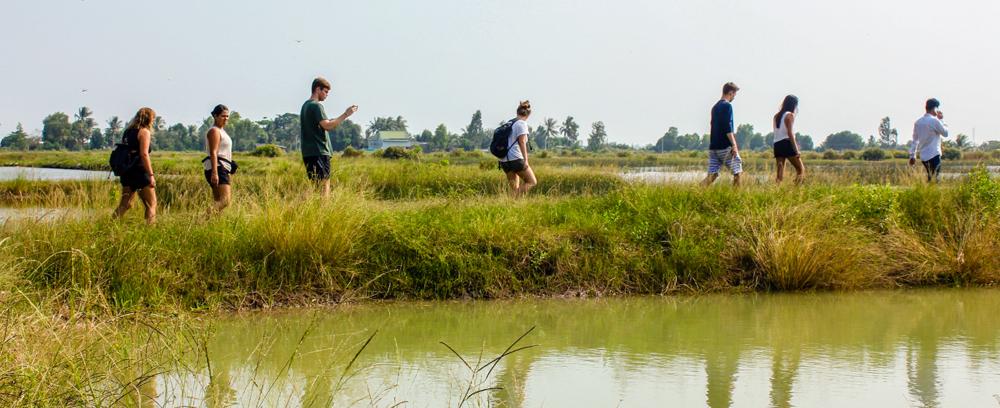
(83, 132)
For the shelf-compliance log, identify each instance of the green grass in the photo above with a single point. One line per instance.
(427, 230)
(279, 244)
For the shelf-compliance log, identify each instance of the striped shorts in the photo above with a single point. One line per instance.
(718, 158)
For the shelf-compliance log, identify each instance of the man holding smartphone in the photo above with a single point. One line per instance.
(316, 146)
(927, 134)
(722, 150)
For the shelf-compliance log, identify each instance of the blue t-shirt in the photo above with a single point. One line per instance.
(722, 125)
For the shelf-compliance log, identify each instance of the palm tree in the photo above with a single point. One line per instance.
(159, 123)
(85, 116)
(570, 130)
(549, 128)
(962, 142)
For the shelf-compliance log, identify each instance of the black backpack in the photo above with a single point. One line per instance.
(499, 146)
(122, 158)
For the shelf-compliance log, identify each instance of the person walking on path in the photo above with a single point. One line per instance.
(520, 177)
(722, 149)
(927, 134)
(316, 146)
(139, 178)
(785, 145)
(219, 165)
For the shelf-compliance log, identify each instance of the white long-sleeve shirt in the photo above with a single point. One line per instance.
(927, 134)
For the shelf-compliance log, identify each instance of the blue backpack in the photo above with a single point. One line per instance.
(499, 146)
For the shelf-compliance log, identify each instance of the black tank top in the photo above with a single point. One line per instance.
(131, 139)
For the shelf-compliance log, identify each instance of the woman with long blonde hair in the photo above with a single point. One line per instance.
(139, 177)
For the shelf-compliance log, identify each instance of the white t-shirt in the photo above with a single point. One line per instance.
(520, 128)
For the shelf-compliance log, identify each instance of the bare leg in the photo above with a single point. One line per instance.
(128, 197)
(221, 195)
(780, 166)
(514, 183)
(710, 179)
(800, 169)
(326, 188)
(528, 176)
(148, 197)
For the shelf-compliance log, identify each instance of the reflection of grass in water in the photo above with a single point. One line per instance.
(477, 383)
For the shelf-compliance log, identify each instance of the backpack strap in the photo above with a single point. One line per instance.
(512, 121)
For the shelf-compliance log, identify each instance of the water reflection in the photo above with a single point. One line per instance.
(37, 173)
(924, 348)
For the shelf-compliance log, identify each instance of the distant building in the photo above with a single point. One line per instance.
(386, 138)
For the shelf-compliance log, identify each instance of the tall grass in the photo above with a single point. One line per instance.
(636, 240)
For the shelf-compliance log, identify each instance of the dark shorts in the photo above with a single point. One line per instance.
(513, 166)
(135, 180)
(933, 167)
(224, 178)
(317, 167)
(784, 149)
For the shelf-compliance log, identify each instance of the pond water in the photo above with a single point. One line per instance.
(36, 214)
(871, 349)
(37, 173)
(863, 172)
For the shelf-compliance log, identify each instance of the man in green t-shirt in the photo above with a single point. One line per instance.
(316, 148)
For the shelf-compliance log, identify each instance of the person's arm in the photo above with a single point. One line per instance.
(522, 143)
(144, 139)
(214, 139)
(730, 132)
(942, 128)
(789, 123)
(329, 125)
(913, 146)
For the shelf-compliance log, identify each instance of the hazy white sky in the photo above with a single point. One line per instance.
(638, 65)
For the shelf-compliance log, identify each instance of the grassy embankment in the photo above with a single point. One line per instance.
(435, 230)
(429, 230)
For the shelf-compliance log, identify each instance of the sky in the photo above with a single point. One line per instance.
(640, 66)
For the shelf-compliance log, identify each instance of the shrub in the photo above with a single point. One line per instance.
(350, 151)
(623, 154)
(487, 164)
(544, 154)
(456, 153)
(875, 206)
(476, 154)
(900, 154)
(268, 150)
(396, 153)
(830, 155)
(873, 154)
(951, 153)
(849, 155)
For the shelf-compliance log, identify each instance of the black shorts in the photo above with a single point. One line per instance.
(135, 180)
(317, 167)
(513, 166)
(784, 149)
(224, 178)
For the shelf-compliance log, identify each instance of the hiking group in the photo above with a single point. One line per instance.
(130, 160)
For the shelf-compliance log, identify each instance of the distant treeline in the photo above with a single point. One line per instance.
(83, 132)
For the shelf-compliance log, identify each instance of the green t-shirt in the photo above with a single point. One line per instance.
(315, 140)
